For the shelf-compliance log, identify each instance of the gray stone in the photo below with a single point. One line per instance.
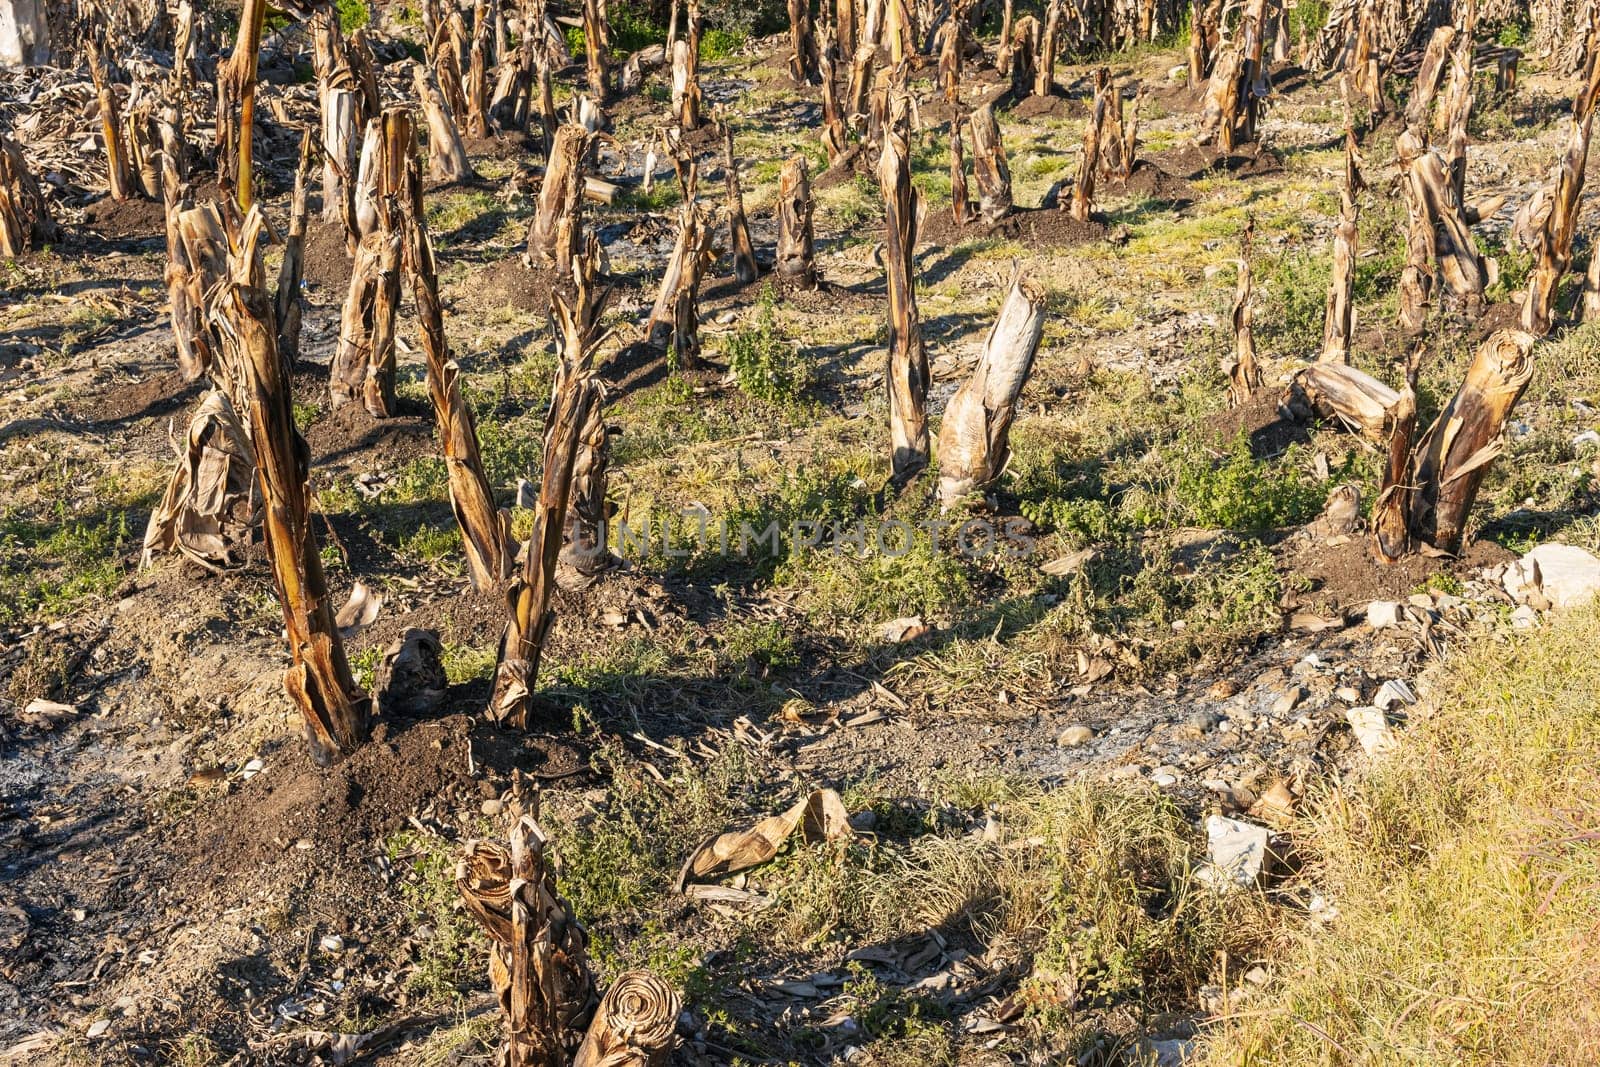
(1204, 720)
(1236, 852)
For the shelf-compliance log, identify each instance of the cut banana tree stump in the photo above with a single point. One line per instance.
(210, 505)
(802, 43)
(974, 439)
(553, 234)
(538, 962)
(635, 1025)
(319, 681)
(1024, 56)
(1219, 111)
(363, 366)
(1130, 134)
(528, 598)
(907, 375)
(989, 167)
(1462, 269)
(1553, 234)
(25, 222)
(288, 302)
(119, 178)
(685, 87)
(1044, 79)
(597, 50)
(584, 549)
(1338, 318)
(796, 242)
(739, 244)
(1111, 164)
(1391, 512)
(1081, 204)
(835, 136)
(949, 42)
(1457, 113)
(485, 531)
(1244, 373)
(1455, 454)
(340, 149)
(960, 205)
(1337, 391)
(447, 156)
(197, 260)
(1435, 59)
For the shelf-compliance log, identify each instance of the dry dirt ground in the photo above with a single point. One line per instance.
(179, 885)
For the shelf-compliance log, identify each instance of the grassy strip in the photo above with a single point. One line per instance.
(1466, 874)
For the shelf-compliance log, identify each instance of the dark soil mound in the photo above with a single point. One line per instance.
(1199, 161)
(327, 261)
(160, 394)
(348, 431)
(1043, 107)
(135, 219)
(1347, 577)
(1043, 227)
(1149, 180)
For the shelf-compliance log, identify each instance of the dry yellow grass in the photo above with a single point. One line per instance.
(1466, 874)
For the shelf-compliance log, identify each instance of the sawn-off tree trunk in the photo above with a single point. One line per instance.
(363, 366)
(739, 244)
(1244, 373)
(528, 599)
(319, 682)
(1455, 453)
(989, 166)
(447, 156)
(25, 222)
(974, 438)
(554, 233)
(484, 529)
(907, 374)
(1553, 237)
(796, 256)
(1339, 316)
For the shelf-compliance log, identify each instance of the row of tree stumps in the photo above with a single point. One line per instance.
(1431, 479)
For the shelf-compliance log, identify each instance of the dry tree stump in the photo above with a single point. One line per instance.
(1455, 453)
(319, 681)
(1558, 215)
(553, 235)
(907, 375)
(796, 243)
(119, 178)
(528, 599)
(288, 302)
(974, 439)
(1338, 320)
(25, 222)
(447, 156)
(802, 43)
(597, 50)
(363, 365)
(739, 244)
(685, 86)
(989, 167)
(1081, 204)
(635, 1025)
(1242, 369)
(485, 530)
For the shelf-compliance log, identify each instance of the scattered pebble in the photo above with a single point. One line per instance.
(1383, 614)
(1290, 700)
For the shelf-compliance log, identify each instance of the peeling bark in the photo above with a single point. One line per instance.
(989, 166)
(796, 256)
(974, 438)
(907, 375)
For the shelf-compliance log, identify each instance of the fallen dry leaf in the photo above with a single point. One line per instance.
(820, 816)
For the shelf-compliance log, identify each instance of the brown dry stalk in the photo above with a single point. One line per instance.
(907, 375)
(319, 680)
(528, 599)
(484, 528)
(796, 256)
(989, 166)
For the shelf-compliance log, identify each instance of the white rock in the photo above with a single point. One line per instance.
(1371, 728)
(98, 1027)
(332, 943)
(1236, 852)
(1383, 614)
(1174, 1052)
(1524, 618)
(1394, 691)
(1569, 576)
(1179, 73)
(1288, 701)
